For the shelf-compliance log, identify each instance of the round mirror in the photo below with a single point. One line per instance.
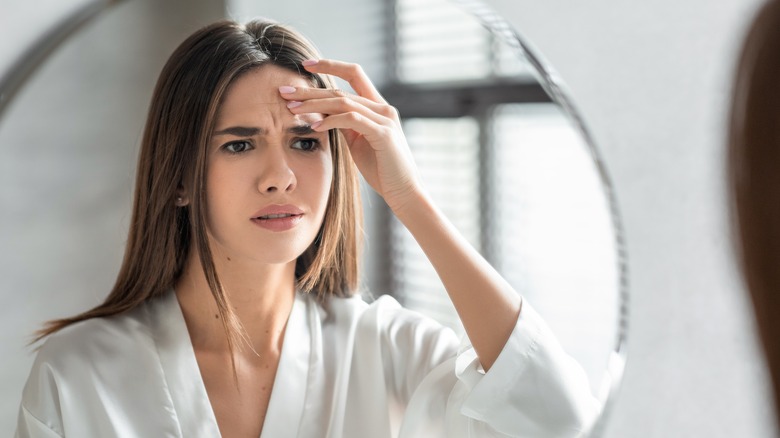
(498, 143)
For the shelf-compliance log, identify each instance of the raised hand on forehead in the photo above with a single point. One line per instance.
(370, 125)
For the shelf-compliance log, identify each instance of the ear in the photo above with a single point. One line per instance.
(181, 200)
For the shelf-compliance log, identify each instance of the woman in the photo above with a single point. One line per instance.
(235, 311)
(753, 157)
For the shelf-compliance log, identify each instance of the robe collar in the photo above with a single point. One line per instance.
(193, 410)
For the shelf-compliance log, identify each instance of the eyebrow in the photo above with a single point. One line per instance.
(250, 131)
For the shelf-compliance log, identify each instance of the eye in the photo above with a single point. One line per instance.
(237, 147)
(306, 144)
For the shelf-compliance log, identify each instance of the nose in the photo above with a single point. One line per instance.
(276, 174)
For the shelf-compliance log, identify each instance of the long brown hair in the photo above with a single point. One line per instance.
(173, 157)
(754, 173)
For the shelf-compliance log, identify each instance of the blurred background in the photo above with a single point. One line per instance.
(499, 156)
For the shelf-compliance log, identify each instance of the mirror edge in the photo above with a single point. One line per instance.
(44, 46)
(554, 86)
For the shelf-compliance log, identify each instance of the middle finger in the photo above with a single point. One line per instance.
(304, 94)
(336, 105)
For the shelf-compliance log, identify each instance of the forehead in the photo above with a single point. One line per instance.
(256, 93)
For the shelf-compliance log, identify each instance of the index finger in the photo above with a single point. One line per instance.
(350, 72)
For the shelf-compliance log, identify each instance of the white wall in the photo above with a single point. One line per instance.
(652, 79)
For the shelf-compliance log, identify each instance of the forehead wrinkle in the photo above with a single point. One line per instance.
(253, 99)
(269, 123)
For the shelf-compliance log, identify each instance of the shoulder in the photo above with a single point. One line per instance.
(90, 342)
(359, 303)
(358, 308)
(387, 318)
(74, 362)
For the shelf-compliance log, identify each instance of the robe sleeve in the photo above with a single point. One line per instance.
(533, 389)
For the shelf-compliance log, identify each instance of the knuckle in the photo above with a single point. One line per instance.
(345, 102)
(340, 93)
(356, 69)
(390, 112)
(353, 116)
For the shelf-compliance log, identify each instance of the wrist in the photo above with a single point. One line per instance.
(415, 202)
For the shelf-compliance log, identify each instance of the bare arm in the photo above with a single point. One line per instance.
(486, 304)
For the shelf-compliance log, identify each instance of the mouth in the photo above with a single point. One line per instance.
(278, 221)
(275, 216)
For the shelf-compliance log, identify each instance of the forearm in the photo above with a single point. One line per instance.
(487, 305)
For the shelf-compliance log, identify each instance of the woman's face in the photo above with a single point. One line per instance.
(264, 162)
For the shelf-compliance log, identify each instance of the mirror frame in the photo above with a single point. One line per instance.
(43, 47)
(551, 82)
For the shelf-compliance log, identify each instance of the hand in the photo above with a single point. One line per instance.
(371, 127)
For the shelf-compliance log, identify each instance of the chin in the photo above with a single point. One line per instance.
(276, 259)
(279, 253)
(275, 249)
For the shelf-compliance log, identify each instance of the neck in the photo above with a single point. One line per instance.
(261, 296)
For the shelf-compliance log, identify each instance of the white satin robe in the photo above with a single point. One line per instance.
(351, 369)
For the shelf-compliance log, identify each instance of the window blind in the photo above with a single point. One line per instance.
(445, 151)
(438, 42)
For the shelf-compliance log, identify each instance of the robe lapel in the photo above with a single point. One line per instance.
(285, 407)
(180, 368)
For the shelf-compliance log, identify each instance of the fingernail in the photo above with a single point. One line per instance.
(294, 104)
(316, 125)
(286, 89)
(309, 62)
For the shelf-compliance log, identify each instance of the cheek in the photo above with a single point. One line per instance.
(215, 182)
(324, 179)
(214, 202)
(222, 182)
(314, 181)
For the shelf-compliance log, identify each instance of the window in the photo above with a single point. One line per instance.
(446, 64)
